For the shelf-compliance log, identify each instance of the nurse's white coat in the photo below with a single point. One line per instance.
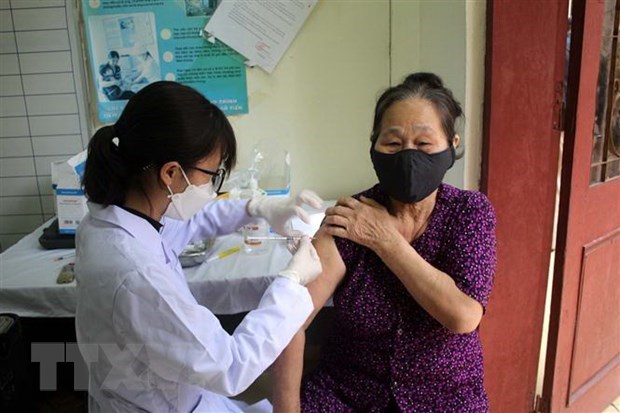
(149, 345)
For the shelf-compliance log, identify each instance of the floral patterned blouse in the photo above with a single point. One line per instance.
(385, 353)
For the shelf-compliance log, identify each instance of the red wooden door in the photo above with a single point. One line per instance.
(583, 362)
(524, 73)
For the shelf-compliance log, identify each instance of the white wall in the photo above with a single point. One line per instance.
(474, 90)
(42, 112)
(429, 36)
(319, 101)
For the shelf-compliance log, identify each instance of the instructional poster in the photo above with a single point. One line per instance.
(134, 43)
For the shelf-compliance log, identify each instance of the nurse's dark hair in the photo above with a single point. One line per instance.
(163, 122)
(427, 86)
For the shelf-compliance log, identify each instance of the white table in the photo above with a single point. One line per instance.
(228, 285)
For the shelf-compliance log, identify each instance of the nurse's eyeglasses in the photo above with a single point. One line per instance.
(217, 177)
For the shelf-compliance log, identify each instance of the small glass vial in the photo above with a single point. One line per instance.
(258, 228)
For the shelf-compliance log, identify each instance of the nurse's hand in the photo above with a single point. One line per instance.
(278, 211)
(305, 265)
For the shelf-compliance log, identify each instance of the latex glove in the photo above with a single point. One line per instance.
(305, 265)
(292, 245)
(278, 211)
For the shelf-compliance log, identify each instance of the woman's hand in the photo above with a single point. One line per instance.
(365, 222)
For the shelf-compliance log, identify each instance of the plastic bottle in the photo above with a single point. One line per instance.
(273, 166)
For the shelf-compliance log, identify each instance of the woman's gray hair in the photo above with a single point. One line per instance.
(427, 86)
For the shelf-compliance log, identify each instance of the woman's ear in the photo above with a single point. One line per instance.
(456, 141)
(168, 172)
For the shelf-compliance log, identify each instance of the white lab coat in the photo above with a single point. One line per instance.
(148, 344)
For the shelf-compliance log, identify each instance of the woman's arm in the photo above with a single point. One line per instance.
(287, 369)
(286, 374)
(368, 223)
(138, 77)
(434, 290)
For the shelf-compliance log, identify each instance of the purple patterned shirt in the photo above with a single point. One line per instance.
(385, 353)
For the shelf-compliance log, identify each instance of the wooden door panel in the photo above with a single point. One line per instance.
(596, 346)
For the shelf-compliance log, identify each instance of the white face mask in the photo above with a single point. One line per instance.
(186, 204)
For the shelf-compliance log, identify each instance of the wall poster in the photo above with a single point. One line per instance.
(132, 43)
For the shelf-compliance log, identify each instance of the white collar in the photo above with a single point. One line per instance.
(138, 227)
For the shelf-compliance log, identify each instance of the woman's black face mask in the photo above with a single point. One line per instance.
(411, 175)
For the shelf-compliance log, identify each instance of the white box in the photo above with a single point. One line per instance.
(70, 199)
(71, 207)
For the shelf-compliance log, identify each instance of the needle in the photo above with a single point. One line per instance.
(278, 238)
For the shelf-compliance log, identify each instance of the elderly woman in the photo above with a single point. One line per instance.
(410, 264)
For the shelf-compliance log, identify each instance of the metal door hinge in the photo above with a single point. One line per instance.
(558, 106)
(541, 404)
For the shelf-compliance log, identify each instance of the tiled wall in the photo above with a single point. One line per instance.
(42, 108)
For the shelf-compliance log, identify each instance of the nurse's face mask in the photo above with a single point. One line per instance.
(186, 204)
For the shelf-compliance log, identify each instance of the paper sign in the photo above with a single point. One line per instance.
(259, 30)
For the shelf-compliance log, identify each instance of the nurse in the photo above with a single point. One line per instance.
(150, 180)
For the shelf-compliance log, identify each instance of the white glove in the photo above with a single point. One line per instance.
(278, 211)
(305, 265)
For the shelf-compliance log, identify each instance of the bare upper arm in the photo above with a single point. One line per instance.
(334, 270)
